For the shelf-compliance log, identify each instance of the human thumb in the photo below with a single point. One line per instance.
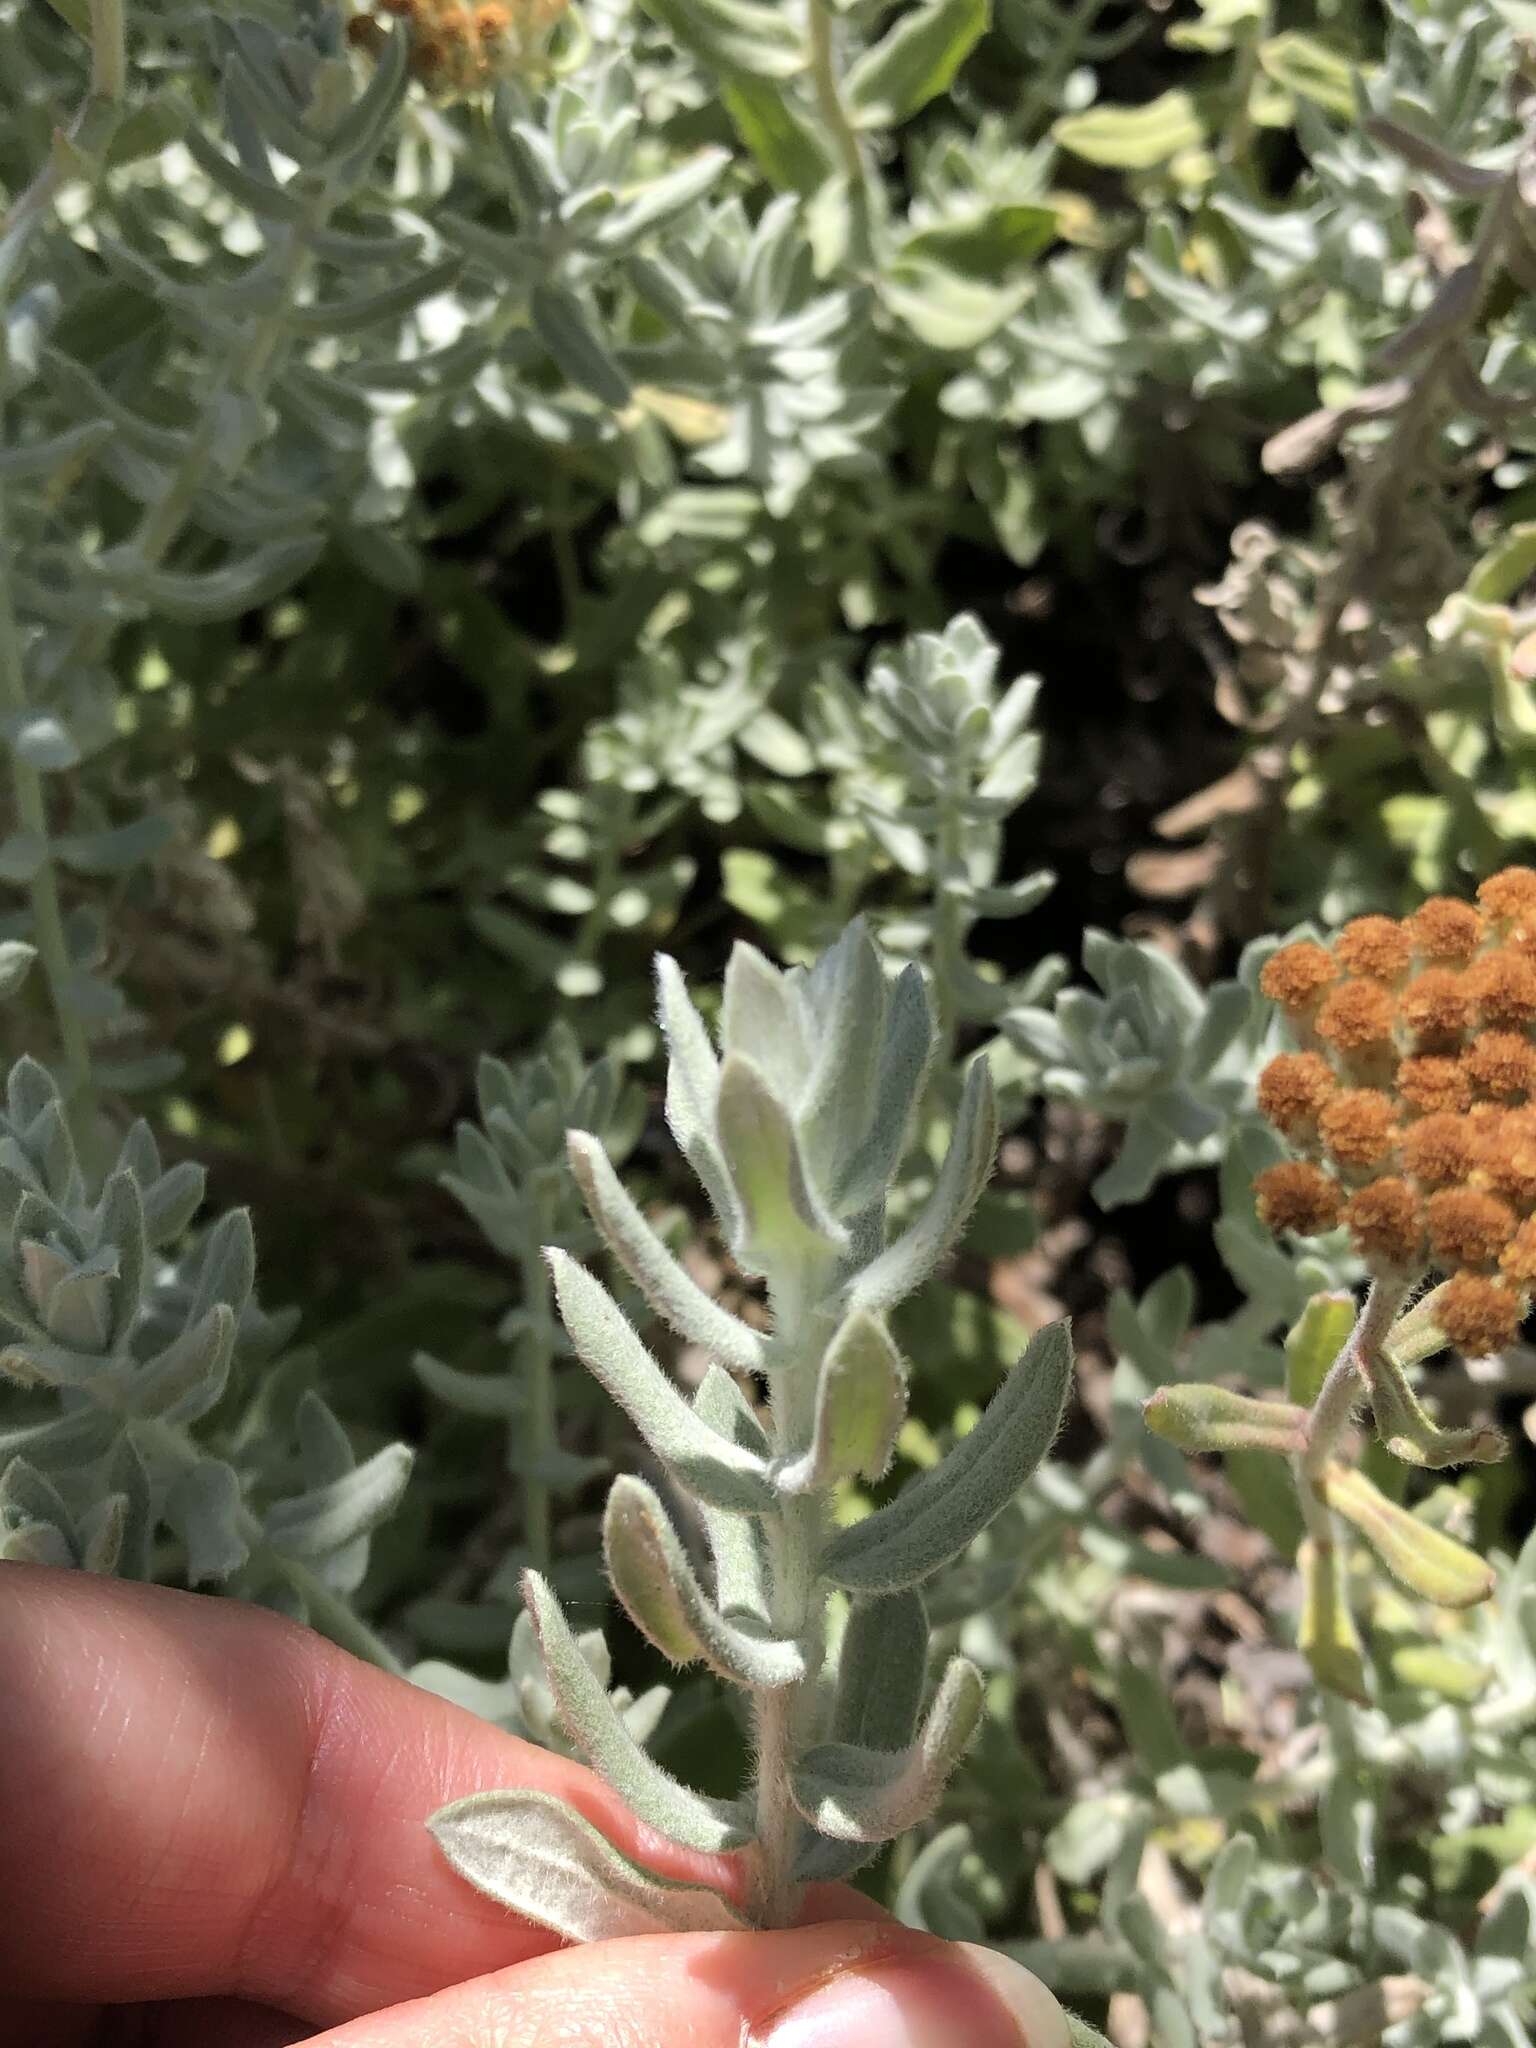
(843, 1984)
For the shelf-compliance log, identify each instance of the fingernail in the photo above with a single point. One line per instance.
(938, 1997)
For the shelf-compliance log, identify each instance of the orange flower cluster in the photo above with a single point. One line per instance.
(1412, 1104)
(459, 49)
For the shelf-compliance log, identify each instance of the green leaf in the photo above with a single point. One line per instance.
(905, 1264)
(712, 1468)
(914, 61)
(1327, 1636)
(1305, 66)
(540, 1858)
(782, 1219)
(653, 1578)
(1314, 1342)
(593, 1722)
(569, 331)
(786, 145)
(856, 1794)
(984, 248)
(676, 1298)
(1427, 1562)
(203, 1507)
(734, 36)
(1205, 1418)
(1133, 138)
(861, 1400)
(16, 958)
(326, 1519)
(937, 1516)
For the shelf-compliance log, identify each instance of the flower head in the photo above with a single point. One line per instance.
(1412, 1100)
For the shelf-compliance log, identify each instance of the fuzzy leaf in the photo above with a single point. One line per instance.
(653, 1578)
(1314, 1342)
(736, 1542)
(856, 1794)
(693, 1089)
(537, 1856)
(906, 1047)
(913, 61)
(783, 1222)
(1431, 1564)
(593, 1723)
(1327, 1636)
(934, 1519)
(711, 1468)
(1203, 1418)
(861, 1400)
(680, 1301)
(905, 1264)
(327, 1518)
(882, 1663)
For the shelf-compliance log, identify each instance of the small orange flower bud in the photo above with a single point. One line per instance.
(1503, 986)
(1358, 1126)
(1297, 1196)
(1510, 894)
(1297, 975)
(1356, 1017)
(1468, 1228)
(1293, 1088)
(1438, 1151)
(1436, 1008)
(1500, 1065)
(1517, 1261)
(1374, 946)
(1477, 1314)
(1446, 929)
(1429, 1081)
(1504, 1143)
(1387, 1225)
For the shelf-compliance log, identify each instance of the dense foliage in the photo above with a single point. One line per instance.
(1029, 506)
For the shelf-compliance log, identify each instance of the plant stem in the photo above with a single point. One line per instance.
(798, 1608)
(533, 1433)
(1349, 1378)
(829, 97)
(43, 889)
(329, 1614)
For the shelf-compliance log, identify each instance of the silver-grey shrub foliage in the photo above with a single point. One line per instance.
(129, 1436)
(796, 1127)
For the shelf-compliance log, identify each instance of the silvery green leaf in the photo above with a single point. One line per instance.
(28, 1495)
(540, 1858)
(16, 958)
(915, 59)
(261, 196)
(569, 331)
(861, 1401)
(122, 1227)
(203, 1506)
(906, 1047)
(783, 1221)
(172, 1200)
(931, 1521)
(182, 1382)
(693, 1088)
(354, 141)
(42, 739)
(327, 1518)
(201, 596)
(595, 1725)
(471, 1393)
(711, 1467)
(856, 1794)
(761, 1017)
(737, 1543)
(845, 995)
(907, 1262)
(226, 1266)
(36, 1543)
(103, 1527)
(679, 1300)
(882, 1663)
(654, 1580)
